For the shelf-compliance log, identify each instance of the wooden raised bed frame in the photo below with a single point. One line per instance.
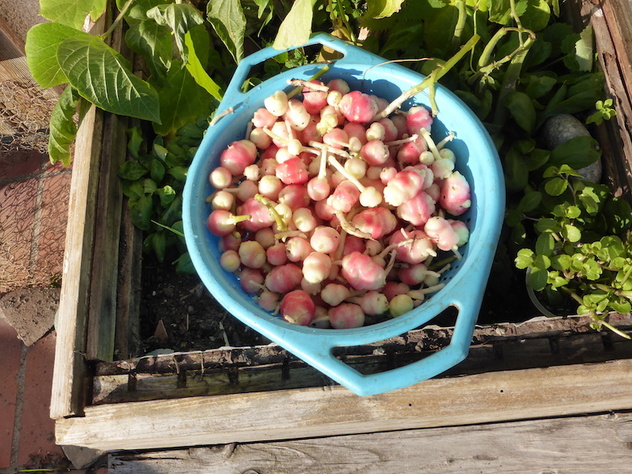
(105, 401)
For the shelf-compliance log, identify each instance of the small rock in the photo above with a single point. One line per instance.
(31, 311)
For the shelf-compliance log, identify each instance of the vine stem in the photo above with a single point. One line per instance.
(117, 20)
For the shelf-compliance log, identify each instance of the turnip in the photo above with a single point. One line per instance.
(297, 307)
(358, 107)
(455, 194)
(346, 316)
(330, 210)
(362, 272)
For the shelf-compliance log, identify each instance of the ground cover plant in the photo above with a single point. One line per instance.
(527, 67)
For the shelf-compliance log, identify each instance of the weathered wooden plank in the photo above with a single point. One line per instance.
(102, 318)
(552, 445)
(69, 376)
(315, 412)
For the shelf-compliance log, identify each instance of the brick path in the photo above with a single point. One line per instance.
(33, 216)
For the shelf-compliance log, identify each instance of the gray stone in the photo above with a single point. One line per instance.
(31, 311)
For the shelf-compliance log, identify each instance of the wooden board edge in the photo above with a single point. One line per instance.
(306, 413)
(68, 389)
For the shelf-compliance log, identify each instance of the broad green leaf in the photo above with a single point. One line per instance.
(41, 52)
(180, 18)
(561, 262)
(530, 201)
(296, 27)
(382, 8)
(522, 110)
(539, 86)
(545, 244)
(132, 171)
(184, 264)
(135, 141)
(556, 186)
(537, 158)
(584, 50)
(103, 76)
(178, 172)
(229, 22)
(153, 42)
(577, 153)
(140, 212)
(72, 13)
(157, 170)
(63, 129)
(547, 225)
(197, 71)
(572, 233)
(537, 15)
(181, 100)
(500, 10)
(516, 173)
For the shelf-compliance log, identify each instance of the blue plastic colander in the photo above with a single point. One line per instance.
(465, 282)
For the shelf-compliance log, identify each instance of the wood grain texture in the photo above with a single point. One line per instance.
(69, 376)
(315, 412)
(527, 446)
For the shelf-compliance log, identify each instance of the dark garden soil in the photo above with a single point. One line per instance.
(179, 314)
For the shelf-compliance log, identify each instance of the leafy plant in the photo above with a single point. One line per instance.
(583, 250)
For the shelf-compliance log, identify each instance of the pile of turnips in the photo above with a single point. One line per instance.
(333, 207)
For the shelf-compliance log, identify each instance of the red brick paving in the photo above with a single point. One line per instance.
(10, 354)
(37, 438)
(33, 216)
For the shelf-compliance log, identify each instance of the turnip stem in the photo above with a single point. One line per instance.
(429, 81)
(320, 72)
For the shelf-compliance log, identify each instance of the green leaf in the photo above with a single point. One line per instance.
(584, 50)
(572, 233)
(545, 244)
(41, 46)
(72, 13)
(181, 100)
(296, 27)
(377, 9)
(537, 158)
(555, 186)
(547, 225)
(561, 262)
(578, 152)
(135, 141)
(132, 171)
(140, 212)
(530, 201)
(153, 42)
(184, 264)
(63, 129)
(522, 110)
(524, 258)
(229, 22)
(157, 170)
(178, 172)
(197, 71)
(537, 15)
(138, 10)
(179, 18)
(166, 194)
(539, 86)
(103, 76)
(516, 172)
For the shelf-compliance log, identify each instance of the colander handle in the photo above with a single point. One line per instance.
(352, 54)
(317, 351)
